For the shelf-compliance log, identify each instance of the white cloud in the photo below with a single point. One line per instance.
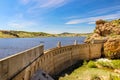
(101, 11)
(105, 10)
(72, 17)
(45, 3)
(93, 19)
(91, 22)
(19, 21)
(53, 3)
(41, 6)
(21, 24)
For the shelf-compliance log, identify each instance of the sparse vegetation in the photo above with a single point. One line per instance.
(101, 69)
(95, 77)
(91, 64)
(113, 77)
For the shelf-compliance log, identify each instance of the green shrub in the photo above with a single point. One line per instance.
(116, 64)
(114, 77)
(106, 64)
(91, 64)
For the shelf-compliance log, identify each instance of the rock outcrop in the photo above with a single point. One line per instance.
(112, 48)
(109, 31)
(107, 28)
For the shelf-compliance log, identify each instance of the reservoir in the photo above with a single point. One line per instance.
(10, 46)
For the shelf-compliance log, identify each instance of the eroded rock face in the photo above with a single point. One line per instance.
(105, 29)
(110, 32)
(112, 48)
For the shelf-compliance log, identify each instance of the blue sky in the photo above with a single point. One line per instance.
(56, 16)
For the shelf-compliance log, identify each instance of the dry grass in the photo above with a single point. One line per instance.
(88, 73)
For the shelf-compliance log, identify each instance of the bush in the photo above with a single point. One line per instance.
(113, 64)
(114, 77)
(106, 64)
(91, 64)
(116, 64)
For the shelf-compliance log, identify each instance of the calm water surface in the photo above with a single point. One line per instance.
(9, 46)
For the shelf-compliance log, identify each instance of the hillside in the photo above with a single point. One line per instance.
(73, 34)
(24, 34)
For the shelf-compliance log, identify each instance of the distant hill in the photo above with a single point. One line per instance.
(73, 34)
(24, 34)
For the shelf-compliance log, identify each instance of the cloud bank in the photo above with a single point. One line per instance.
(91, 20)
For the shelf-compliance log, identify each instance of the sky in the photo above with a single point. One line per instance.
(56, 16)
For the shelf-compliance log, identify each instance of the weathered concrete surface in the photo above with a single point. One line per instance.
(23, 65)
(13, 67)
(41, 75)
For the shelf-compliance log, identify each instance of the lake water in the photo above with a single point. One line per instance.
(9, 46)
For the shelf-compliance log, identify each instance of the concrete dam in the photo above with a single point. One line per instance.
(23, 65)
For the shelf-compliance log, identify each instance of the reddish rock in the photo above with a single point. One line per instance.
(105, 29)
(110, 32)
(112, 48)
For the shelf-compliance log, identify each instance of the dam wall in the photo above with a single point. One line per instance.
(58, 59)
(17, 67)
(23, 65)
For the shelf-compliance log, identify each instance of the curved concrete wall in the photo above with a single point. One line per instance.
(15, 64)
(23, 65)
(58, 59)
